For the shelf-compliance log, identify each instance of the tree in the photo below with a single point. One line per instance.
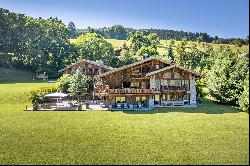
(170, 52)
(79, 83)
(143, 38)
(181, 54)
(147, 50)
(93, 47)
(117, 32)
(64, 83)
(72, 30)
(225, 78)
(143, 42)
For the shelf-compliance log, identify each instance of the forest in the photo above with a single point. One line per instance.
(44, 45)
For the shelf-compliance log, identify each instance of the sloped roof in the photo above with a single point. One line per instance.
(172, 66)
(91, 62)
(131, 65)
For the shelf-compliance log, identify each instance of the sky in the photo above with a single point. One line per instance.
(224, 18)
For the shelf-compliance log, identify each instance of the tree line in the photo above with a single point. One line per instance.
(122, 33)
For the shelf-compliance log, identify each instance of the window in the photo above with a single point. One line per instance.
(136, 72)
(164, 82)
(135, 84)
(174, 82)
(185, 97)
(167, 75)
(137, 99)
(163, 97)
(120, 99)
(89, 71)
(96, 71)
(169, 97)
(143, 98)
(157, 97)
(180, 97)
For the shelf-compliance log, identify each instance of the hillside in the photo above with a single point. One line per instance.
(164, 43)
(15, 75)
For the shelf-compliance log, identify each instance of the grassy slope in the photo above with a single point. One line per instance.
(211, 134)
(164, 43)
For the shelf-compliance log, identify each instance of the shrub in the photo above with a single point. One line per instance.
(37, 96)
(244, 97)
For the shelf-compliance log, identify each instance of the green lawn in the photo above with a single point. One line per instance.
(210, 134)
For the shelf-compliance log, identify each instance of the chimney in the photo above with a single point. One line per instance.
(144, 56)
(100, 61)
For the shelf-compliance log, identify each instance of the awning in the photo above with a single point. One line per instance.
(56, 94)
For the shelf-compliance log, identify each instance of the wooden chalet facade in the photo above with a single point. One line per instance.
(149, 83)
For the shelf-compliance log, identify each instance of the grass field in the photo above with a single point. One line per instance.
(164, 44)
(210, 134)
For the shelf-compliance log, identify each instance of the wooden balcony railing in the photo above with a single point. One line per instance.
(130, 91)
(174, 89)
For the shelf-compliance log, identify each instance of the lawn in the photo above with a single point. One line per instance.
(210, 134)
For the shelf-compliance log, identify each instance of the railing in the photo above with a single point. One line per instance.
(91, 73)
(130, 91)
(174, 89)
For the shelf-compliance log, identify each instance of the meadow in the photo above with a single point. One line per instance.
(164, 45)
(209, 134)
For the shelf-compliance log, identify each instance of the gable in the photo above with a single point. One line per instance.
(153, 63)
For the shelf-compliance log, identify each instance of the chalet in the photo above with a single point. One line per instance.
(149, 83)
(90, 68)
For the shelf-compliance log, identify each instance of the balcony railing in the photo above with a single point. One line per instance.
(130, 91)
(174, 89)
(142, 91)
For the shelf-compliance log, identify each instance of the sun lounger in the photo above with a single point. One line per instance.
(118, 105)
(125, 105)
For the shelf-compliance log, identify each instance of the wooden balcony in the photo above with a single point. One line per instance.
(130, 91)
(174, 89)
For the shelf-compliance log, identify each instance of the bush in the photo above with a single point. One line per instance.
(244, 97)
(37, 96)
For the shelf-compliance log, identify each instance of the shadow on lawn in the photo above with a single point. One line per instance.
(24, 81)
(207, 108)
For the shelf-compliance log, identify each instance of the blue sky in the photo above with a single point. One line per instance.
(224, 18)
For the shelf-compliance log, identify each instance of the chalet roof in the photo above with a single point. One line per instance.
(90, 62)
(170, 67)
(131, 65)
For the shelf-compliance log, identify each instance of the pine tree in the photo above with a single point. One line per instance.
(72, 30)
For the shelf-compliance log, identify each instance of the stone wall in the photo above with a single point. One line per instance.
(192, 92)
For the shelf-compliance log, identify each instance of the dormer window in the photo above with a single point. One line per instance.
(89, 71)
(157, 67)
(167, 75)
(96, 71)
